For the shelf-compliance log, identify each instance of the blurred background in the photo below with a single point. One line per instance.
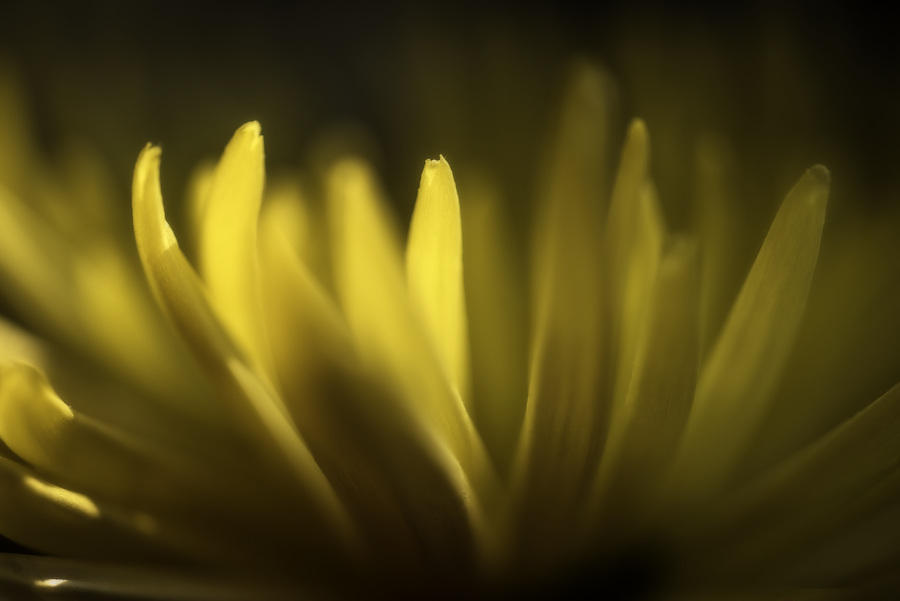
(786, 86)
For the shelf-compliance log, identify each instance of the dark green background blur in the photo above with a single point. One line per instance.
(788, 87)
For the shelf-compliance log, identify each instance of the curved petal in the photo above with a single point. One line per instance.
(737, 380)
(645, 433)
(846, 476)
(42, 515)
(634, 235)
(228, 240)
(420, 426)
(256, 410)
(565, 417)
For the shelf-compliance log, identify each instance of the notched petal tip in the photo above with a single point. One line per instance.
(251, 130)
(436, 171)
(31, 413)
(147, 162)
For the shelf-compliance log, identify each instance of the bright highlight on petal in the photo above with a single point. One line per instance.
(228, 239)
(255, 407)
(434, 270)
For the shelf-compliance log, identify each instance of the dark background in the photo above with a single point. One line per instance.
(788, 87)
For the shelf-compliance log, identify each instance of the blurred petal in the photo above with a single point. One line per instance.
(53, 519)
(565, 416)
(738, 379)
(848, 475)
(256, 409)
(645, 434)
(634, 234)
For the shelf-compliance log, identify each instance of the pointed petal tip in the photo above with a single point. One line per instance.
(816, 183)
(251, 128)
(249, 136)
(591, 82)
(637, 139)
(821, 174)
(147, 163)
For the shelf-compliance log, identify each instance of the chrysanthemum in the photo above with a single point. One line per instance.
(307, 405)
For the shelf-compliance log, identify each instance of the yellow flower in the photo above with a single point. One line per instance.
(304, 404)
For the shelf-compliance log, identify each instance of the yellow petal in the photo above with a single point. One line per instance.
(645, 434)
(737, 380)
(42, 515)
(634, 234)
(307, 333)
(301, 224)
(228, 240)
(253, 405)
(564, 418)
(430, 420)
(853, 305)
(847, 476)
(434, 270)
(33, 261)
(108, 316)
(77, 450)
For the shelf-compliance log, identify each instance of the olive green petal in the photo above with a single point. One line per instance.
(42, 515)
(738, 379)
(565, 417)
(823, 492)
(645, 433)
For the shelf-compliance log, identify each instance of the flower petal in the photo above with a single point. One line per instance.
(255, 408)
(737, 380)
(93, 457)
(228, 240)
(434, 270)
(847, 475)
(421, 423)
(565, 418)
(645, 433)
(634, 234)
(44, 516)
